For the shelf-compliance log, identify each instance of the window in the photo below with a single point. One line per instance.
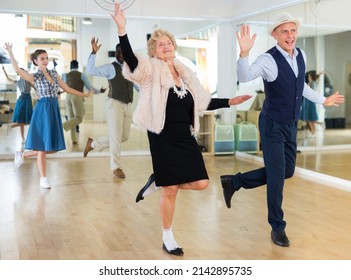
(52, 23)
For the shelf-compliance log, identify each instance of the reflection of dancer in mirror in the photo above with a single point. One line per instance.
(118, 107)
(45, 134)
(170, 103)
(75, 104)
(24, 108)
(308, 111)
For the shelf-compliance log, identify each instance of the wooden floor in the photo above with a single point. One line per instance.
(91, 215)
(327, 152)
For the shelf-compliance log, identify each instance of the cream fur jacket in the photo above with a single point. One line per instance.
(154, 79)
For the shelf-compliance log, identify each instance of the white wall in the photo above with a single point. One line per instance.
(195, 10)
(99, 29)
(337, 49)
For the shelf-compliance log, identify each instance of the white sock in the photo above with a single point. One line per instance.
(92, 144)
(168, 239)
(153, 188)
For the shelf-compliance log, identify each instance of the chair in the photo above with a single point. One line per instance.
(5, 113)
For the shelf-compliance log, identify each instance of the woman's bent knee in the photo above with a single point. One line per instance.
(202, 185)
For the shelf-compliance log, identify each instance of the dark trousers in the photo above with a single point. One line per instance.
(279, 154)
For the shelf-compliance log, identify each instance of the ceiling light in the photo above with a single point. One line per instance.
(87, 21)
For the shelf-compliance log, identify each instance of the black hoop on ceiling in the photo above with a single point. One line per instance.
(110, 4)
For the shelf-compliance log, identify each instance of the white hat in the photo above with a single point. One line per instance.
(283, 18)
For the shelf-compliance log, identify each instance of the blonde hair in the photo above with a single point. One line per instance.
(155, 36)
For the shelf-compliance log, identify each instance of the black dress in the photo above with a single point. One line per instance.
(176, 156)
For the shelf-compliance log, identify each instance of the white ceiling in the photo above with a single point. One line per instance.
(218, 10)
(322, 16)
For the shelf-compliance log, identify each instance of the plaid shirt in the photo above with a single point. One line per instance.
(23, 86)
(43, 86)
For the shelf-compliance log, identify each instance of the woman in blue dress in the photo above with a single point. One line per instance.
(308, 111)
(45, 134)
(24, 107)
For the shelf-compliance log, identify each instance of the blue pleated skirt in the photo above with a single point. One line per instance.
(23, 110)
(45, 131)
(308, 111)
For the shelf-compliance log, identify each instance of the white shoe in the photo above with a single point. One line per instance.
(19, 160)
(44, 183)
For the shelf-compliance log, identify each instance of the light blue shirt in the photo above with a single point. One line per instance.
(85, 80)
(106, 70)
(266, 67)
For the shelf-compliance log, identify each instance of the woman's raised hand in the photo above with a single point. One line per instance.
(8, 47)
(119, 19)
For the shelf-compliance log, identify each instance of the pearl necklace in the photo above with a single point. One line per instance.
(182, 92)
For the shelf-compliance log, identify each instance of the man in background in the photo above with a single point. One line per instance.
(75, 104)
(118, 107)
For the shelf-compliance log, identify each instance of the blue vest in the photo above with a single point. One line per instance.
(284, 95)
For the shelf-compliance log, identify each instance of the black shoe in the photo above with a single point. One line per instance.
(177, 251)
(228, 190)
(147, 185)
(280, 238)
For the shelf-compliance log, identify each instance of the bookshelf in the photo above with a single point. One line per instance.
(205, 136)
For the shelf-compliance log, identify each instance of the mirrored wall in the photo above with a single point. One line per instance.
(325, 36)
